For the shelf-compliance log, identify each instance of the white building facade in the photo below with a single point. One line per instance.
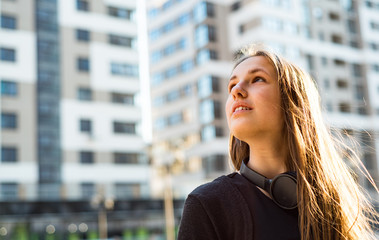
(70, 107)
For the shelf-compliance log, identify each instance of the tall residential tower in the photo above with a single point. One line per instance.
(70, 111)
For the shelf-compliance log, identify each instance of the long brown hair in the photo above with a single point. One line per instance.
(331, 204)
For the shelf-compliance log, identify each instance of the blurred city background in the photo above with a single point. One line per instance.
(112, 111)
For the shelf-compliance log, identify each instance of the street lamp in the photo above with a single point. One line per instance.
(102, 204)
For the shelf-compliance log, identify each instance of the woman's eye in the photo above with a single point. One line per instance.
(258, 79)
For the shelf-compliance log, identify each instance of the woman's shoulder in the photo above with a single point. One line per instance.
(222, 190)
(221, 207)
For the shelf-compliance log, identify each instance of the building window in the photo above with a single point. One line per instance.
(126, 158)
(204, 34)
(8, 154)
(374, 26)
(334, 16)
(8, 88)
(84, 94)
(324, 61)
(83, 64)
(171, 72)
(82, 35)
(214, 163)
(185, 18)
(122, 41)
(235, 6)
(352, 26)
(205, 55)
(86, 157)
(310, 62)
(7, 54)
(357, 70)
(156, 56)
(375, 68)
(154, 34)
(160, 123)
(88, 190)
(85, 125)
(359, 92)
(202, 11)
(186, 66)
(373, 46)
(8, 121)
(8, 22)
(160, 101)
(344, 107)
(170, 49)
(124, 127)
(9, 191)
(342, 83)
(210, 132)
(168, 27)
(123, 98)
(209, 110)
(123, 69)
(127, 190)
(121, 13)
(157, 79)
(339, 62)
(207, 85)
(82, 5)
(175, 119)
(173, 95)
(336, 39)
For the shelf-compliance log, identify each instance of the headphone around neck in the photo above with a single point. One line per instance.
(282, 188)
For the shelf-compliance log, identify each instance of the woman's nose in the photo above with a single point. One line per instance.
(238, 91)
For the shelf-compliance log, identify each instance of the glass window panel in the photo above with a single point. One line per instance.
(82, 5)
(126, 158)
(124, 127)
(9, 88)
(85, 125)
(123, 69)
(205, 86)
(82, 35)
(8, 154)
(86, 157)
(84, 94)
(123, 98)
(8, 120)
(7, 54)
(127, 190)
(9, 190)
(88, 190)
(83, 64)
(206, 111)
(8, 22)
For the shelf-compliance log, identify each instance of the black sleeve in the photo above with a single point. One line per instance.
(195, 223)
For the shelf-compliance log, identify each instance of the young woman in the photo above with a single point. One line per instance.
(292, 182)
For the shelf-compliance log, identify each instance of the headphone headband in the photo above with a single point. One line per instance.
(282, 188)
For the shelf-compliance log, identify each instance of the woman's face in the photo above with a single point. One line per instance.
(253, 108)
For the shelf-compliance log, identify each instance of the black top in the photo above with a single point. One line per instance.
(231, 207)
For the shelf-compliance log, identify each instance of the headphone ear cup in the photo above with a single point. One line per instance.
(284, 192)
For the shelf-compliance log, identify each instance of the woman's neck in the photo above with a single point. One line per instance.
(268, 157)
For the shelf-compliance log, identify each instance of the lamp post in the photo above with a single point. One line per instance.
(168, 205)
(102, 204)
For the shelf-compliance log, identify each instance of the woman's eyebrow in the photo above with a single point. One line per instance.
(252, 71)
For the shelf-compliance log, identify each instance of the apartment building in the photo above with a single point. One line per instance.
(192, 45)
(189, 65)
(71, 111)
